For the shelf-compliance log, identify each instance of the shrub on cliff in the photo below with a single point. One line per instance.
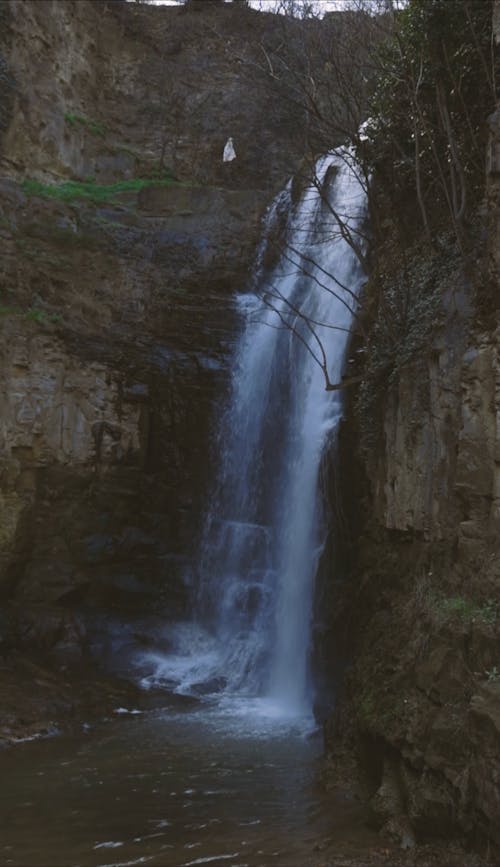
(435, 86)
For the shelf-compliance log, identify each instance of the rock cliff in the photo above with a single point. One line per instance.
(419, 616)
(122, 237)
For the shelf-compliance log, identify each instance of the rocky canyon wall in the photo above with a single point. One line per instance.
(116, 317)
(419, 616)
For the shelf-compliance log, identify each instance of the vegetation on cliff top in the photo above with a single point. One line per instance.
(424, 74)
(434, 88)
(425, 149)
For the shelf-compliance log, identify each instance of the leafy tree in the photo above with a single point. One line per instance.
(435, 87)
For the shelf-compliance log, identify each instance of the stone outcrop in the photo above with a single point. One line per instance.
(420, 616)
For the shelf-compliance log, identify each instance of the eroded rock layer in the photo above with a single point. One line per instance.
(420, 467)
(122, 240)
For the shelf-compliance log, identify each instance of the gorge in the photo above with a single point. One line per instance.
(199, 542)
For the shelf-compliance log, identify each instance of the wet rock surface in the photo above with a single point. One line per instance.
(116, 309)
(423, 609)
(421, 702)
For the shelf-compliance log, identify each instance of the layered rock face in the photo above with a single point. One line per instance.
(116, 316)
(422, 698)
(107, 90)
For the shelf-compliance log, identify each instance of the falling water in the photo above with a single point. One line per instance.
(265, 530)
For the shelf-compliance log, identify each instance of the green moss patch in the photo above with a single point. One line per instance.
(75, 120)
(6, 310)
(35, 314)
(466, 610)
(70, 191)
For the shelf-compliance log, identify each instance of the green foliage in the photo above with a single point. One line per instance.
(379, 710)
(434, 91)
(367, 708)
(105, 222)
(7, 82)
(408, 312)
(465, 610)
(35, 250)
(75, 120)
(7, 310)
(425, 149)
(34, 314)
(70, 191)
(162, 174)
(456, 605)
(25, 246)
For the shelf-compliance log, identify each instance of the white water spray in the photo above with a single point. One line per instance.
(265, 530)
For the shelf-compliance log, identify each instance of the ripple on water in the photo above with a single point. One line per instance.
(142, 860)
(109, 844)
(176, 790)
(209, 859)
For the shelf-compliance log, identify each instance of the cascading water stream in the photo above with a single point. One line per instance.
(265, 530)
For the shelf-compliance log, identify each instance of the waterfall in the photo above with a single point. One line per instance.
(265, 529)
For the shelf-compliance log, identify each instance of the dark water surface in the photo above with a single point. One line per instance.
(226, 787)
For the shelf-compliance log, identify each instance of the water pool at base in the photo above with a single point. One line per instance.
(227, 787)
